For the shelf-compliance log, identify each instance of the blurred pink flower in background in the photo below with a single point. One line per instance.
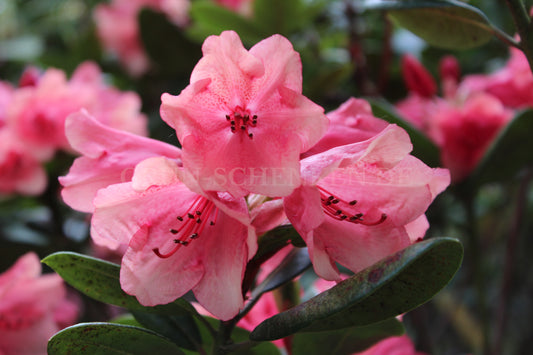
(466, 120)
(243, 120)
(33, 307)
(20, 171)
(512, 84)
(118, 28)
(37, 113)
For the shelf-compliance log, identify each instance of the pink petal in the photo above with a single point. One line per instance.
(109, 157)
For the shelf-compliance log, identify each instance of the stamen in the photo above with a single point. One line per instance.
(242, 118)
(192, 227)
(337, 208)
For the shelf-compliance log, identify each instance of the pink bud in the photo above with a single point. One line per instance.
(417, 78)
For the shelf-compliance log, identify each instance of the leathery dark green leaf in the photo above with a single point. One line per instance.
(109, 339)
(99, 280)
(442, 23)
(388, 288)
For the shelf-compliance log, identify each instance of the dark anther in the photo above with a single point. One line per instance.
(194, 236)
(344, 216)
(250, 135)
(180, 218)
(353, 202)
(211, 223)
(243, 127)
(335, 201)
(228, 118)
(198, 220)
(199, 213)
(331, 198)
(174, 231)
(338, 212)
(356, 217)
(190, 215)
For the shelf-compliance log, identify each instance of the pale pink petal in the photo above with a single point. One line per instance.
(109, 157)
(352, 122)
(385, 149)
(417, 229)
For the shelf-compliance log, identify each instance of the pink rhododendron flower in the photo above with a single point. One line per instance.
(6, 92)
(118, 28)
(243, 121)
(32, 307)
(465, 132)
(20, 172)
(512, 84)
(361, 202)
(108, 157)
(178, 240)
(400, 345)
(417, 78)
(37, 113)
(351, 122)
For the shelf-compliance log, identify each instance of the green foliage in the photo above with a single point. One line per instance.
(109, 339)
(99, 279)
(442, 23)
(388, 288)
(167, 46)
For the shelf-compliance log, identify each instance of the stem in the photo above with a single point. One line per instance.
(357, 53)
(474, 244)
(220, 345)
(512, 242)
(523, 27)
(386, 56)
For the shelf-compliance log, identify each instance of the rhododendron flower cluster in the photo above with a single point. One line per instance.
(471, 113)
(32, 120)
(243, 125)
(118, 28)
(32, 307)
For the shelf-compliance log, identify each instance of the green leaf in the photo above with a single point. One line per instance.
(446, 24)
(423, 148)
(296, 262)
(211, 19)
(99, 279)
(278, 16)
(108, 339)
(166, 44)
(182, 330)
(345, 341)
(511, 151)
(393, 286)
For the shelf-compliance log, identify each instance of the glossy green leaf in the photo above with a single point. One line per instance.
(109, 339)
(99, 279)
(345, 341)
(166, 44)
(423, 148)
(393, 286)
(211, 19)
(446, 24)
(182, 330)
(511, 151)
